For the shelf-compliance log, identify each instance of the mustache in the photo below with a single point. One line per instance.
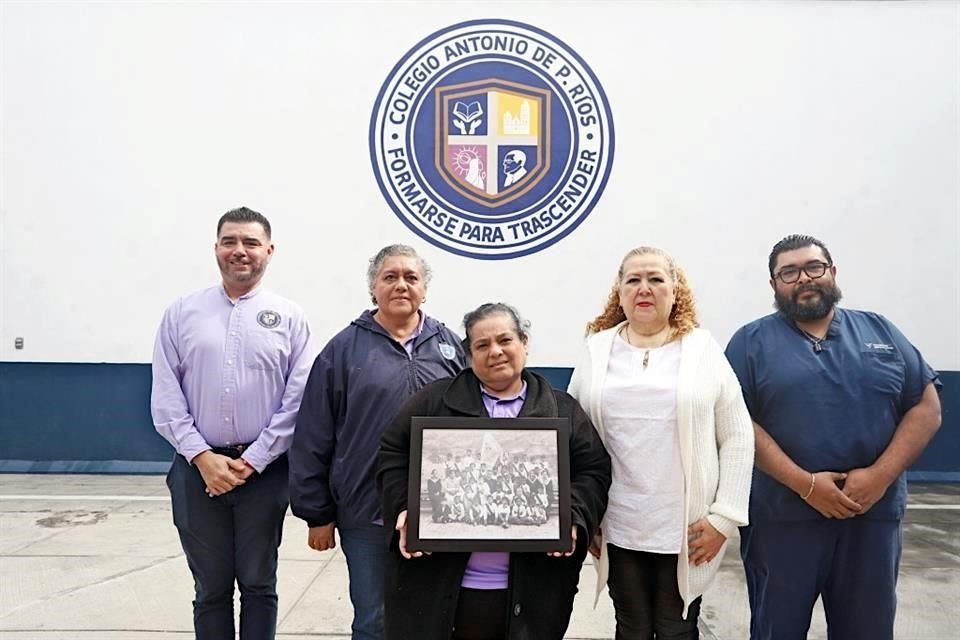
(828, 296)
(808, 287)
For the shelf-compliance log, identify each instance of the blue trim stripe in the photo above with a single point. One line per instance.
(108, 467)
(95, 418)
(933, 476)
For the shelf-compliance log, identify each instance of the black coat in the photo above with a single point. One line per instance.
(421, 594)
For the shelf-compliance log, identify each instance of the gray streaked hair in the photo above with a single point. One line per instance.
(389, 251)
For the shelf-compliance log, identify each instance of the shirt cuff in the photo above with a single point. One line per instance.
(257, 458)
(193, 450)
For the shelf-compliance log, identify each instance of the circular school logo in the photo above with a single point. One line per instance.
(491, 139)
(268, 319)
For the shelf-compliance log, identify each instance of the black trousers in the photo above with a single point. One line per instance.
(481, 614)
(646, 598)
(231, 538)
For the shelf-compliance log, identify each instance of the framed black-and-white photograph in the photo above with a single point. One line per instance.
(485, 484)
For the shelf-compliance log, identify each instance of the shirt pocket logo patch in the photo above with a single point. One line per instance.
(447, 351)
(883, 368)
(268, 319)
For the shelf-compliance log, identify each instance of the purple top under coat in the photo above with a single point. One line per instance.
(491, 569)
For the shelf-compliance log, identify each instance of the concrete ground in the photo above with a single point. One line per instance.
(97, 558)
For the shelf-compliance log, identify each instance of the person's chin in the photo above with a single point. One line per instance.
(241, 277)
(402, 307)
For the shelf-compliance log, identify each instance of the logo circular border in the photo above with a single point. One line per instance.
(407, 215)
(263, 319)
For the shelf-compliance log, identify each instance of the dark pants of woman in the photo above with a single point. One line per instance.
(481, 615)
(646, 598)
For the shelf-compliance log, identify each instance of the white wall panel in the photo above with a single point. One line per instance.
(128, 128)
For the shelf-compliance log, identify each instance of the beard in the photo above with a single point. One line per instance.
(815, 309)
(256, 271)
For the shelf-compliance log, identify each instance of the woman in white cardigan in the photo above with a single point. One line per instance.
(669, 409)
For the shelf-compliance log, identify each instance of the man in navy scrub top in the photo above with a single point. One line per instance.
(842, 404)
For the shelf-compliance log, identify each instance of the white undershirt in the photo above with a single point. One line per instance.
(639, 409)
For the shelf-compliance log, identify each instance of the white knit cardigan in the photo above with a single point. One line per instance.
(716, 443)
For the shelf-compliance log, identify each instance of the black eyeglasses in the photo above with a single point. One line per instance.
(814, 270)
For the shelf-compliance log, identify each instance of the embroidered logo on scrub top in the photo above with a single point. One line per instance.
(447, 351)
(268, 319)
(879, 346)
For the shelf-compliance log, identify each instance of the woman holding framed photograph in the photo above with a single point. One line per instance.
(489, 595)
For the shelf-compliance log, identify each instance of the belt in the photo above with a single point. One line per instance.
(234, 451)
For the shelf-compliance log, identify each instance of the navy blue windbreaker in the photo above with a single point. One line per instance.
(356, 387)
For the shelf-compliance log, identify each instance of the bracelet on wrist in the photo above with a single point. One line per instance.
(813, 483)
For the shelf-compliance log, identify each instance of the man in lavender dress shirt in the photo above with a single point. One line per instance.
(229, 367)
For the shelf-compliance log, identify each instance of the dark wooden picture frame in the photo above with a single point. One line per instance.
(522, 462)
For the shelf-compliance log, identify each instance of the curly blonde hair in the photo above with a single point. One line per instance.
(683, 316)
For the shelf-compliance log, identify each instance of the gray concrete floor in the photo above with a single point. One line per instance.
(97, 558)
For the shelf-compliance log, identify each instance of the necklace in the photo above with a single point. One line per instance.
(815, 340)
(646, 353)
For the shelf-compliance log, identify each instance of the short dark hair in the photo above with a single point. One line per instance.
(520, 326)
(243, 214)
(796, 241)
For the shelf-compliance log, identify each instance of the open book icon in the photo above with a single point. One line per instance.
(468, 112)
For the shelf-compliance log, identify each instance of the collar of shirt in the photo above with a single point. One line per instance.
(411, 340)
(833, 331)
(503, 407)
(249, 294)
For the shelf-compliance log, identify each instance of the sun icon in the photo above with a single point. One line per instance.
(468, 165)
(461, 159)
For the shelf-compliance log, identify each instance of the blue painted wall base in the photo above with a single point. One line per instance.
(95, 418)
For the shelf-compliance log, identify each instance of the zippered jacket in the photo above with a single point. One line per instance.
(356, 386)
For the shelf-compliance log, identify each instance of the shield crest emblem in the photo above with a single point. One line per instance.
(447, 351)
(492, 139)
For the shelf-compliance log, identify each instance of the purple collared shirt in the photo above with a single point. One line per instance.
(491, 569)
(412, 339)
(230, 372)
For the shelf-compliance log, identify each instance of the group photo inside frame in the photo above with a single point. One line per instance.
(485, 484)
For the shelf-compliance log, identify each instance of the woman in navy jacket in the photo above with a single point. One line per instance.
(357, 384)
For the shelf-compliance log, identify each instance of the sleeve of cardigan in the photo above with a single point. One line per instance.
(731, 506)
(590, 473)
(579, 378)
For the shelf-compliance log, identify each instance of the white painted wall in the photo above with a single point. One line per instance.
(128, 128)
